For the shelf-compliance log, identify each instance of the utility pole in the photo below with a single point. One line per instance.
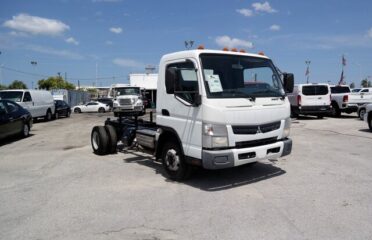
(96, 74)
(65, 76)
(34, 64)
(307, 62)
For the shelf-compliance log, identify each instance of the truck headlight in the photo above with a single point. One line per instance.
(214, 136)
(115, 104)
(287, 127)
(139, 102)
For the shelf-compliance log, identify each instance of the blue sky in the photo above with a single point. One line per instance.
(123, 36)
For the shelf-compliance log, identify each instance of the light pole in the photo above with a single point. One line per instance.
(34, 64)
(189, 44)
(307, 62)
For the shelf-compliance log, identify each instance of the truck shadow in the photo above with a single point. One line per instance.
(216, 180)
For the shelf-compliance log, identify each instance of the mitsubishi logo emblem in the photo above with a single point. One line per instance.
(258, 130)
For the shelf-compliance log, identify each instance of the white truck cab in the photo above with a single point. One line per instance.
(215, 109)
(126, 99)
(310, 99)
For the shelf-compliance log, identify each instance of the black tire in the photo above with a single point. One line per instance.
(294, 114)
(25, 132)
(77, 110)
(99, 140)
(361, 113)
(116, 114)
(370, 121)
(174, 163)
(320, 116)
(68, 114)
(56, 115)
(113, 139)
(48, 116)
(101, 110)
(335, 111)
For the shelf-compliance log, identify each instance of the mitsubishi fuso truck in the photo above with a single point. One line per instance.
(215, 109)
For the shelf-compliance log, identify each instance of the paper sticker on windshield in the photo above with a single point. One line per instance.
(214, 83)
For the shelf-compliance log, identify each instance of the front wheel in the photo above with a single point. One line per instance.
(68, 114)
(56, 115)
(48, 116)
(174, 163)
(335, 111)
(77, 110)
(370, 122)
(101, 110)
(25, 130)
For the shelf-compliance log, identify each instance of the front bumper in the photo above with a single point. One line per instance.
(128, 108)
(218, 159)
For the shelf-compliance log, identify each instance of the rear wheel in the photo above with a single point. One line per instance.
(101, 110)
(320, 116)
(56, 115)
(77, 110)
(370, 122)
(48, 116)
(335, 111)
(113, 139)
(174, 163)
(361, 113)
(99, 140)
(68, 114)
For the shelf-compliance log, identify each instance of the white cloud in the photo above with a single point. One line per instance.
(245, 12)
(122, 62)
(275, 27)
(226, 41)
(109, 42)
(116, 30)
(55, 52)
(263, 7)
(72, 41)
(369, 33)
(36, 25)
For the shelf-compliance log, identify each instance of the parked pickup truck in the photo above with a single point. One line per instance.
(343, 100)
(215, 109)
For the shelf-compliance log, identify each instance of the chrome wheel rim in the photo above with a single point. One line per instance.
(95, 140)
(362, 112)
(172, 160)
(25, 130)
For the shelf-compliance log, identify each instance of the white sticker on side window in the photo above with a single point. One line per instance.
(214, 83)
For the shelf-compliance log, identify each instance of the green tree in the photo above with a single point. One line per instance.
(2, 87)
(364, 83)
(56, 82)
(352, 85)
(16, 84)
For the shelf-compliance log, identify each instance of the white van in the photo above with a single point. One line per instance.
(310, 99)
(39, 103)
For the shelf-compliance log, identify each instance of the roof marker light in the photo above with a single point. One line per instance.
(225, 49)
(234, 50)
(261, 53)
(201, 47)
(242, 51)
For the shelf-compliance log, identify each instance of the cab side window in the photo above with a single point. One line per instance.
(27, 97)
(186, 83)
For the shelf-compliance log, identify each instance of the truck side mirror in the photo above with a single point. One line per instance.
(170, 79)
(288, 82)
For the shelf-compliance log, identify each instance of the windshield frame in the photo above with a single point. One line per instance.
(131, 94)
(280, 93)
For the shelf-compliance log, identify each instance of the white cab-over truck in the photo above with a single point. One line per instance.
(215, 109)
(343, 100)
(126, 99)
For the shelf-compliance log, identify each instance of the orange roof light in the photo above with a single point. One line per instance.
(261, 53)
(234, 50)
(201, 47)
(242, 51)
(225, 49)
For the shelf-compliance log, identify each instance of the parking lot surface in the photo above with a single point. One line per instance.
(53, 187)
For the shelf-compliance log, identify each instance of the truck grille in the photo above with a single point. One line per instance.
(254, 129)
(256, 143)
(126, 101)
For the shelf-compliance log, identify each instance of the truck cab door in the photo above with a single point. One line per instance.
(180, 108)
(28, 104)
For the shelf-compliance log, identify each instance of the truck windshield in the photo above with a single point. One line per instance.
(127, 91)
(231, 76)
(340, 89)
(15, 96)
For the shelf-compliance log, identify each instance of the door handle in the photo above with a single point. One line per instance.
(165, 112)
